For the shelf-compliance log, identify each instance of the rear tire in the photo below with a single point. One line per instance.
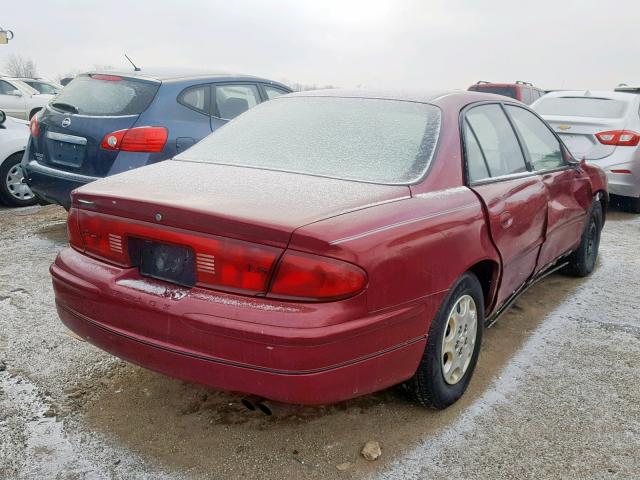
(13, 191)
(443, 375)
(583, 260)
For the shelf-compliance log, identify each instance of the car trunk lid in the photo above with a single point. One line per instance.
(261, 206)
(579, 135)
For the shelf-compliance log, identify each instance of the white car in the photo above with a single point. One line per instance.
(603, 128)
(14, 135)
(42, 85)
(19, 100)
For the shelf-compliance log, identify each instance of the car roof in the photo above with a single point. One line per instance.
(181, 75)
(420, 96)
(508, 84)
(608, 94)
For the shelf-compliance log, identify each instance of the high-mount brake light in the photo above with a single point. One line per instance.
(108, 78)
(619, 138)
(302, 276)
(139, 139)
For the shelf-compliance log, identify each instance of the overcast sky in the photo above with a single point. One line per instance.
(429, 44)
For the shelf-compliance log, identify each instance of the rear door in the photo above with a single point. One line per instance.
(568, 187)
(515, 199)
(74, 124)
(232, 99)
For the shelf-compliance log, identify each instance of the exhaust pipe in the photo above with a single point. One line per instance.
(254, 403)
(250, 402)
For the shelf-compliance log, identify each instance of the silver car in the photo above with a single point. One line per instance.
(603, 128)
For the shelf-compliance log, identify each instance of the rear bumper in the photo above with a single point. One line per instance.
(53, 185)
(622, 184)
(238, 344)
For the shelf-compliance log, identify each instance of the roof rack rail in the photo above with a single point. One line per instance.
(520, 82)
(481, 81)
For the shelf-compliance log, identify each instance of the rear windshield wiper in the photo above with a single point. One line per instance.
(65, 106)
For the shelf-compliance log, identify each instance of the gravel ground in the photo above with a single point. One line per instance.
(555, 394)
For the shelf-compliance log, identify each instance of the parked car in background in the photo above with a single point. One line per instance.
(19, 100)
(601, 127)
(281, 258)
(623, 87)
(14, 134)
(523, 91)
(107, 123)
(42, 85)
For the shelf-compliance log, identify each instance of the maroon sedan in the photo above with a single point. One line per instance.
(330, 244)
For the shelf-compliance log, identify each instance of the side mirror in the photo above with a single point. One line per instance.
(15, 93)
(3, 117)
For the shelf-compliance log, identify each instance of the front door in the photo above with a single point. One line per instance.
(515, 198)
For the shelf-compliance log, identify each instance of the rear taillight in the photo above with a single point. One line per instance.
(34, 126)
(619, 138)
(73, 232)
(139, 139)
(234, 266)
(302, 276)
(221, 263)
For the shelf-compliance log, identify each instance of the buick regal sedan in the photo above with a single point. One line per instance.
(326, 245)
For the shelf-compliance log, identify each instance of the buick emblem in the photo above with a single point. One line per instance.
(66, 122)
(158, 217)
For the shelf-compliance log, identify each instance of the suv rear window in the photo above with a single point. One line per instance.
(362, 139)
(107, 95)
(581, 107)
(506, 91)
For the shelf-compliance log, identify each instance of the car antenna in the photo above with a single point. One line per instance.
(135, 69)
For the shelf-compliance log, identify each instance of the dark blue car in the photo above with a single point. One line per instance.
(106, 123)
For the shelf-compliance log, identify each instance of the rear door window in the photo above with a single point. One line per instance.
(497, 141)
(273, 92)
(232, 100)
(541, 145)
(106, 95)
(6, 88)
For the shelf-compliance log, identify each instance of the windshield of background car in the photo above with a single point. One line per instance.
(362, 139)
(506, 91)
(107, 95)
(581, 107)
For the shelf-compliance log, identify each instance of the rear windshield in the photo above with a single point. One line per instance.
(581, 107)
(369, 140)
(90, 95)
(506, 91)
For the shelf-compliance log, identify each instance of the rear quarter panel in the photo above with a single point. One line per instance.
(413, 250)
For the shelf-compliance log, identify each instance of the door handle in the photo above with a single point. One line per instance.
(506, 220)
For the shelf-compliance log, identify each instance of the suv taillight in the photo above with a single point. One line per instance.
(139, 139)
(619, 138)
(34, 126)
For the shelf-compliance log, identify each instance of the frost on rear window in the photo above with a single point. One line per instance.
(581, 107)
(362, 139)
(96, 97)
